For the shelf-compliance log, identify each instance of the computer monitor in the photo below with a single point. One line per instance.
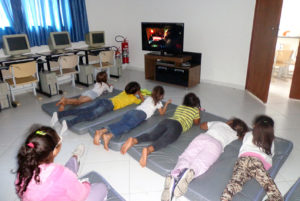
(16, 44)
(59, 41)
(95, 38)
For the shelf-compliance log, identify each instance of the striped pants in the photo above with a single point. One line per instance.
(246, 168)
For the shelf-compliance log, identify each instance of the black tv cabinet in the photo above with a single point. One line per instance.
(181, 70)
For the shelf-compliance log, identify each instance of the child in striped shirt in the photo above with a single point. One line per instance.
(168, 130)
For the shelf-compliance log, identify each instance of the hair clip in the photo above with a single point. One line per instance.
(265, 121)
(40, 132)
(30, 144)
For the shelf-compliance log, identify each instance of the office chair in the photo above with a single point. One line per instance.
(68, 65)
(23, 74)
(106, 61)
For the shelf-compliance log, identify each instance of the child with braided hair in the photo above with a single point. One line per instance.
(38, 178)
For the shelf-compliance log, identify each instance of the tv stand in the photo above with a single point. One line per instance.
(181, 70)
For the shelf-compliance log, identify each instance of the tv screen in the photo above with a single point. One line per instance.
(164, 37)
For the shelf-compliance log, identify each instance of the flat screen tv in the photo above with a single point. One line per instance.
(163, 37)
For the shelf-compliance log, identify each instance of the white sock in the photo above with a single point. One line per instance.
(54, 119)
(64, 127)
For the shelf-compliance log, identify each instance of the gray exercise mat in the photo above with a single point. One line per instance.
(82, 127)
(294, 193)
(112, 195)
(210, 185)
(117, 142)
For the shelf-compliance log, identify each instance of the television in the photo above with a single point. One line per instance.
(59, 41)
(163, 37)
(16, 44)
(95, 39)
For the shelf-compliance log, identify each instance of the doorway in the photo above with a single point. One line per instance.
(262, 50)
(286, 50)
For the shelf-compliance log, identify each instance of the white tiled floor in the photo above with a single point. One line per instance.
(124, 173)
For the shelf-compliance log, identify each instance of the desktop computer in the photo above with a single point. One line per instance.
(48, 83)
(86, 74)
(4, 96)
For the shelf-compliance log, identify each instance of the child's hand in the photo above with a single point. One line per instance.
(169, 101)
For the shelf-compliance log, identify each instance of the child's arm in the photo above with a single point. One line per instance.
(110, 88)
(197, 121)
(163, 110)
(204, 126)
(141, 96)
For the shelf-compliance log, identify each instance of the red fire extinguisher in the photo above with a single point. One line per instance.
(124, 49)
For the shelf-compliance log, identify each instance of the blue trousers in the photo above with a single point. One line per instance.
(130, 120)
(93, 111)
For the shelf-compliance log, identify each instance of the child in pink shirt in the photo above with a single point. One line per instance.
(39, 179)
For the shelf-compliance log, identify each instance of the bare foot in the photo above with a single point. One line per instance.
(61, 107)
(106, 139)
(97, 137)
(127, 145)
(143, 159)
(61, 101)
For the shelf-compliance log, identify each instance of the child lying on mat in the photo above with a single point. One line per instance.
(100, 107)
(255, 159)
(38, 178)
(87, 96)
(168, 130)
(201, 153)
(133, 118)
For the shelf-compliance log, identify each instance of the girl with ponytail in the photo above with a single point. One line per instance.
(38, 178)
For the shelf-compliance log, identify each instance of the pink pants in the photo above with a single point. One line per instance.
(201, 153)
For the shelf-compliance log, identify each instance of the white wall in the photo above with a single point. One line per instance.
(290, 16)
(220, 30)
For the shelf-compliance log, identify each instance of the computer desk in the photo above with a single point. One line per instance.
(89, 50)
(5, 62)
(50, 55)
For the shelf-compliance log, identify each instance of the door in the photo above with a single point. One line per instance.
(295, 86)
(262, 49)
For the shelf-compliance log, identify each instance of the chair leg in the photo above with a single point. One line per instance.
(108, 73)
(34, 90)
(12, 94)
(73, 80)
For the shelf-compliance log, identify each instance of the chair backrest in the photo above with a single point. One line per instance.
(69, 61)
(21, 70)
(283, 56)
(107, 56)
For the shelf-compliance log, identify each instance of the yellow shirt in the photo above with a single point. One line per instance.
(185, 116)
(123, 99)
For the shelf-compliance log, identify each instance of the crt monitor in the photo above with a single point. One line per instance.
(95, 38)
(59, 40)
(16, 44)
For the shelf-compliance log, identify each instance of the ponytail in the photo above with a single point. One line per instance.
(37, 149)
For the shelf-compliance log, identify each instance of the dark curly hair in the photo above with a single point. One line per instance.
(37, 149)
(132, 87)
(239, 126)
(101, 77)
(191, 100)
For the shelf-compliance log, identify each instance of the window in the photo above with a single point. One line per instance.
(4, 22)
(47, 13)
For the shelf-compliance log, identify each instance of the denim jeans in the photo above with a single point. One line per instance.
(93, 111)
(130, 120)
(165, 133)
